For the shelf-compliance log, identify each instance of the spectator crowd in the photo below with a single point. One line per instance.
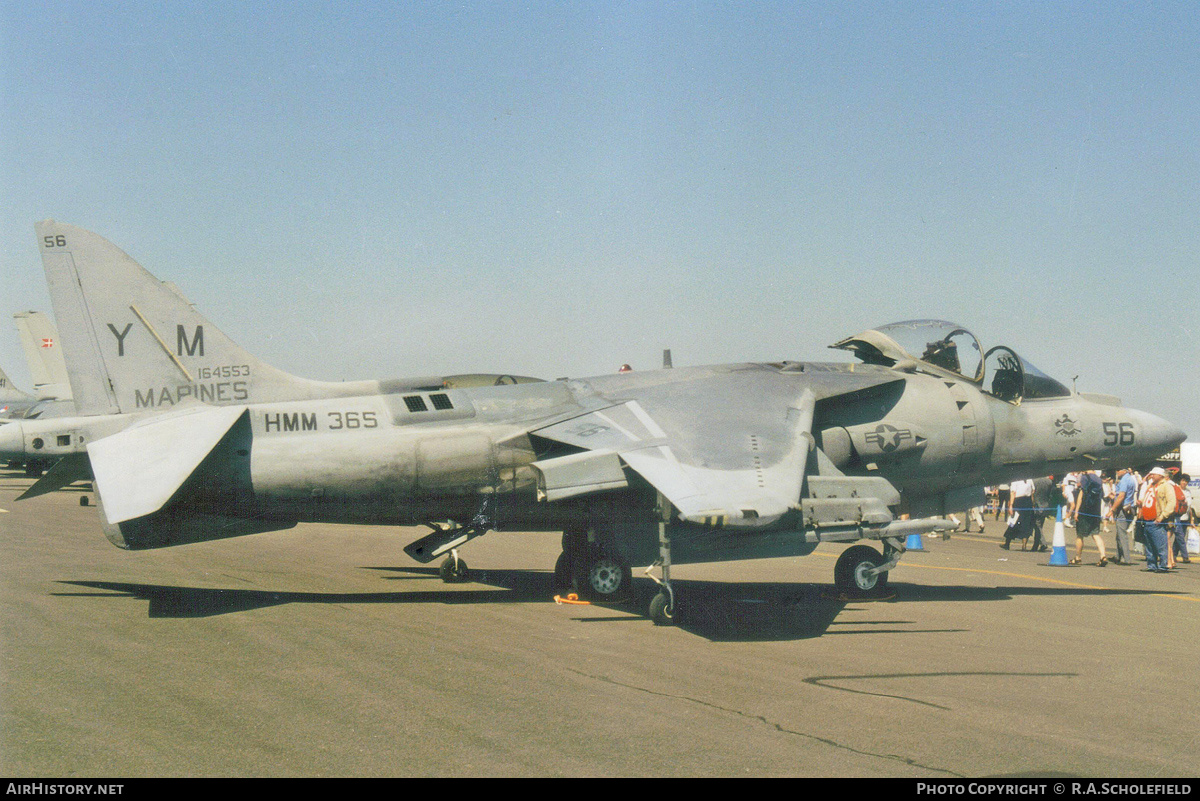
(1153, 514)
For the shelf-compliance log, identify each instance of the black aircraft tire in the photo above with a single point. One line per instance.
(660, 610)
(562, 573)
(848, 573)
(453, 571)
(601, 577)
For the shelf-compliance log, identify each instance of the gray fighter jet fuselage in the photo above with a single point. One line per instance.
(400, 459)
(685, 464)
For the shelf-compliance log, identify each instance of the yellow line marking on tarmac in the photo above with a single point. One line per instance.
(1031, 578)
(1179, 597)
(999, 573)
(1010, 575)
(973, 539)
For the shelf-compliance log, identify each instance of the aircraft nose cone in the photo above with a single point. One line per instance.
(12, 441)
(1159, 435)
(1177, 437)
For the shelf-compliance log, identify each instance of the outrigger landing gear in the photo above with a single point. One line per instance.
(862, 572)
(662, 605)
(662, 608)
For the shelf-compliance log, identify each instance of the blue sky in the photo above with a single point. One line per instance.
(384, 189)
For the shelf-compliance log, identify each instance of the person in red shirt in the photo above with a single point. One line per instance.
(1156, 509)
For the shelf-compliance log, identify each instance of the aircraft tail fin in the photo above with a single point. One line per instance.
(134, 343)
(10, 394)
(43, 352)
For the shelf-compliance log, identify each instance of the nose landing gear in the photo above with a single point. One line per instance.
(453, 570)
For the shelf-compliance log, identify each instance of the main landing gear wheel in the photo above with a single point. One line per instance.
(601, 577)
(852, 574)
(562, 574)
(453, 570)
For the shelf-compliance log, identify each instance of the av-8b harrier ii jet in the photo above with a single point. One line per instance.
(708, 463)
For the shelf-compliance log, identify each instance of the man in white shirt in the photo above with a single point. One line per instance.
(1069, 483)
(1020, 503)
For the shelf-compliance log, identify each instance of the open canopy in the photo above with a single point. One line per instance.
(950, 348)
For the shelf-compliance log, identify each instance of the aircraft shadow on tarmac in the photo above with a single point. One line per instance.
(717, 611)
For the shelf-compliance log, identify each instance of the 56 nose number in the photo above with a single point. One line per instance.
(1118, 434)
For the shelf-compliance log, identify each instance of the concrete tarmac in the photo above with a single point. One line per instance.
(325, 651)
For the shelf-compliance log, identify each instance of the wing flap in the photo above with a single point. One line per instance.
(754, 493)
(579, 474)
(140, 469)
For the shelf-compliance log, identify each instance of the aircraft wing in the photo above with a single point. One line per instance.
(745, 473)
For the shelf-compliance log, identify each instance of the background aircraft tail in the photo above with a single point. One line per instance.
(10, 394)
(43, 352)
(134, 343)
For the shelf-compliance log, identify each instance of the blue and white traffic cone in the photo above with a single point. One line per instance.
(1058, 554)
(914, 542)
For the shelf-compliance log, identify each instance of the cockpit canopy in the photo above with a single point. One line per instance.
(953, 349)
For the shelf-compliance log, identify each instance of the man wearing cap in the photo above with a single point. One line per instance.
(1124, 507)
(1157, 508)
